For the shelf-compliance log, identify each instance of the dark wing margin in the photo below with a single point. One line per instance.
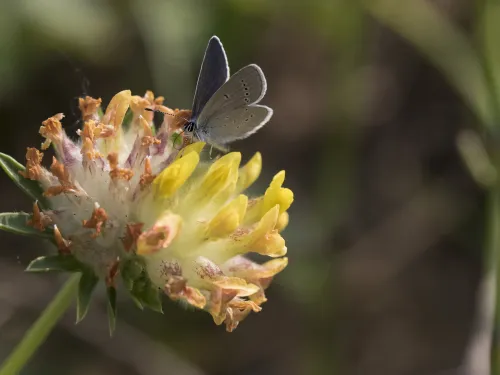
(214, 73)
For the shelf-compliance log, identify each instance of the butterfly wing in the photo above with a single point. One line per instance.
(214, 73)
(247, 86)
(239, 123)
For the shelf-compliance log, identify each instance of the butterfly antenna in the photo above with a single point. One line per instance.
(165, 113)
(173, 115)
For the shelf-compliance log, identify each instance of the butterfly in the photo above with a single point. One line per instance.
(225, 108)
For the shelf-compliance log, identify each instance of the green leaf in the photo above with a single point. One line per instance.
(111, 309)
(17, 222)
(60, 262)
(32, 188)
(87, 284)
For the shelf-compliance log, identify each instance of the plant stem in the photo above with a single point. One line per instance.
(493, 263)
(41, 328)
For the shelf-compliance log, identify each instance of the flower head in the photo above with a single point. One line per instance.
(122, 201)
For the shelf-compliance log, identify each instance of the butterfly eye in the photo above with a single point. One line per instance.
(189, 127)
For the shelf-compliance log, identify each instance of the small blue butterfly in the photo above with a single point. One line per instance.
(225, 109)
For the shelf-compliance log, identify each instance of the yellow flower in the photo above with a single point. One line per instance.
(124, 201)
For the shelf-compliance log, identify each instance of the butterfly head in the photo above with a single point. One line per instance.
(190, 126)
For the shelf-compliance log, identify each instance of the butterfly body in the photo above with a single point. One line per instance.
(225, 108)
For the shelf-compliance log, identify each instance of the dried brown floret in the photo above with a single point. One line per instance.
(33, 164)
(96, 221)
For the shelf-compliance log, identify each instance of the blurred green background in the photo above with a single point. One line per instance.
(386, 231)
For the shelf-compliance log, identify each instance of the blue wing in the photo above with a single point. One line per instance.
(214, 73)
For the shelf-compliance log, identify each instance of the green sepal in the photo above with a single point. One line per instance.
(177, 140)
(58, 263)
(12, 168)
(136, 280)
(87, 284)
(151, 298)
(111, 292)
(131, 270)
(147, 294)
(128, 283)
(136, 302)
(17, 223)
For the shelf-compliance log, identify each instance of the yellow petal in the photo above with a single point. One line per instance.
(242, 288)
(249, 173)
(117, 107)
(177, 289)
(194, 297)
(267, 223)
(175, 175)
(242, 267)
(221, 175)
(228, 218)
(264, 239)
(146, 127)
(275, 194)
(273, 267)
(282, 221)
(254, 210)
(271, 244)
(196, 147)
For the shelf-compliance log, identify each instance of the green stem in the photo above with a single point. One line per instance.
(492, 262)
(41, 328)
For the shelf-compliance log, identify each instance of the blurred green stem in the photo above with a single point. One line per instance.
(452, 53)
(41, 328)
(492, 263)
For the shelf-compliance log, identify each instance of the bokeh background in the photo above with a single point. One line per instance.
(386, 234)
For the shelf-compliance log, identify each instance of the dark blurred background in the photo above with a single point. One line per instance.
(386, 231)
